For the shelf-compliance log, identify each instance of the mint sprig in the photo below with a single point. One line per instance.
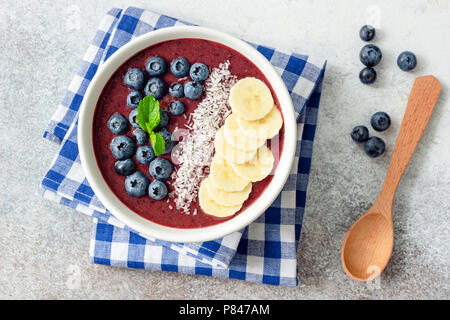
(148, 118)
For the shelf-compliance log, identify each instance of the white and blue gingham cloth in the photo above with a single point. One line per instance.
(264, 252)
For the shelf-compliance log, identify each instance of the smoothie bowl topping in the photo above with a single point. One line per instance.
(195, 151)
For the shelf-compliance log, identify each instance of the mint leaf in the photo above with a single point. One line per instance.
(142, 115)
(154, 117)
(148, 116)
(158, 143)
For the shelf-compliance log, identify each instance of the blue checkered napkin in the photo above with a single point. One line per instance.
(264, 252)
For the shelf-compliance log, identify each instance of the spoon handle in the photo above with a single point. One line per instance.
(421, 102)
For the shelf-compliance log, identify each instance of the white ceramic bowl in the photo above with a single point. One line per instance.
(109, 199)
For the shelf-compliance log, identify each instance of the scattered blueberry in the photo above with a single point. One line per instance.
(368, 75)
(176, 90)
(199, 72)
(168, 139)
(180, 67)
(160, 169)
(360, 134)
(133, 99)
(145, 154)
(374, 147)
(370, 55)
(135, 79)
(176, 108)
(407, 61)
(156, 66)
(367, 33)
(117, 124)
(125, 167)
(141, 136)
(380, 121)
(156, 87)
(122, 147)
(136, 184)
(132, 118)
(163, 119)
(193, 90)
(157, 190)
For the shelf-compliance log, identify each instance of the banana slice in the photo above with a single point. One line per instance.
(265, 128)
(236, 138)
(256, 170)
(213, 208)
(225, 198)
(224, 176)
(251, 99)
(230, 153)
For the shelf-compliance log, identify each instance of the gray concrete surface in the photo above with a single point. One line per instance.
(44, 246)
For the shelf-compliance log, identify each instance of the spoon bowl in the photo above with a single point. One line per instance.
(367, 248)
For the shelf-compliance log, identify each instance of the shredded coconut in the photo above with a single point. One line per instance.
(194, 152)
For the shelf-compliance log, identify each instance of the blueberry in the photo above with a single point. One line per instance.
(199, 72)
(160, 168)
(157, 190)
(156, 66)
(380, 121)
(132, 118)
(360, 134)
(370, 55)
(407, 61)
(367, 33)
(193, 90)
(145, 154)
(140, 135)
(122, 147)
(117, 124)
(163, 119)
(133, 99)
(168, 139)
(156, 87)
(125, 167)
(134, 79)
(368, 75)
(136, 184)
(176, 90)
(176, 108)
(180, 67)
(374, 147)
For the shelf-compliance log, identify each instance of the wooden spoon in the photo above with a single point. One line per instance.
(368, 244)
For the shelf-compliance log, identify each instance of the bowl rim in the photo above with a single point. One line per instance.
(132, 219)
